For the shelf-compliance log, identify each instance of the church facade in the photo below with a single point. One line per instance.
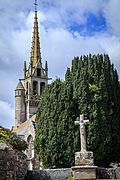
(27, 95)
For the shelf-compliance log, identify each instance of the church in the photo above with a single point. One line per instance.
(28, 93)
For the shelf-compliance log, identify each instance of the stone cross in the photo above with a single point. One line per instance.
(82, 122)
(35, 5)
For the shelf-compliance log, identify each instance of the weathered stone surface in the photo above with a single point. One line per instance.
(106, 173)
(81, 121)
(117, 172)
(49, 174)
(35, 175)
(84, 158)
(84, 172)
(59, 174)
(13, 164)
(84, 162)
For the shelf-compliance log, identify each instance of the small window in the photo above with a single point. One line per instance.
(35, 87)
(38, 72)
(27, 85)
(42, 87)
(16, 93)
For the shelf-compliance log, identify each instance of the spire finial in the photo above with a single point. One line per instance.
(35, 5)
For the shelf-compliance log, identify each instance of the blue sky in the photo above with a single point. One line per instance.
(94, 24)
(67, 29)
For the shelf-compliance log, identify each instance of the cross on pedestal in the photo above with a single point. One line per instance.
(82, 122)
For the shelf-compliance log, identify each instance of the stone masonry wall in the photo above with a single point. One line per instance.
(49, 174)
(64, 174)
(13, 164)
(59, 174)
(108, 173)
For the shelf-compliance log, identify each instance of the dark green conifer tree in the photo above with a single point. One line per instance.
(91, 87)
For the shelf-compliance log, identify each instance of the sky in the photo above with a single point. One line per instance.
(67, 29)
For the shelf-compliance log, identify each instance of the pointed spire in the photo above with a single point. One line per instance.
(35, 50)
(19, 86)
(25, 70)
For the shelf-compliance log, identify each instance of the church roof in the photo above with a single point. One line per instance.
(20, 85)
(22, 128)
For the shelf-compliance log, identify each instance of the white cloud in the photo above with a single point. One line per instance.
(112, 15)
(112, 46)
(61, 46)
(58, 44)
(6, 114)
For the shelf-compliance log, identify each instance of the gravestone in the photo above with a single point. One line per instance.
(84, 162)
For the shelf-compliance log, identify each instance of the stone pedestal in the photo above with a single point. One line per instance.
(84, 168)
(84, 172)
(84, 158)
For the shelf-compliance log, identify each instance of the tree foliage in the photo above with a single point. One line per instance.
(10, 138)
(91, 87)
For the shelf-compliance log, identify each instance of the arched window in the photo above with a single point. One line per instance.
(35, 87)
(42, 87)
(30, 146)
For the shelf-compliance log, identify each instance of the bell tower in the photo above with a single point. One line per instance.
(27, 94)
(36, 77)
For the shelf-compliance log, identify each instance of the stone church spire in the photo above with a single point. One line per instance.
(35, 49)
(28, 94)
(35, 79)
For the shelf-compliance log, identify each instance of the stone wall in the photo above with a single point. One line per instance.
(13, 164)
(59, 174)
(49, 174)
(108, 173)
(37, 175)
(102, 173)
(64, 174)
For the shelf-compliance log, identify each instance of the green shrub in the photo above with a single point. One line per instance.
(10, 138)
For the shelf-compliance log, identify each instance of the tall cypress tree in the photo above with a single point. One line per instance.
(56, 138)
(96, 87)
(91, 87)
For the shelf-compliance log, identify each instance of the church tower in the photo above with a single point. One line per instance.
(36, 77)
(27, 94)
(20, 115)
